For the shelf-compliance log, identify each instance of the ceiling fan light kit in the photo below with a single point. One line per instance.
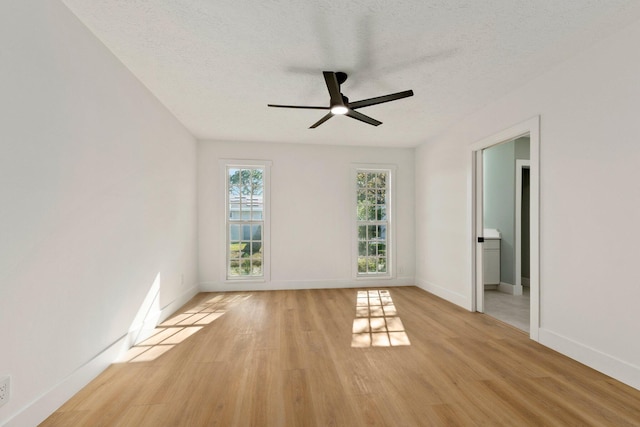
(340, 105)
(339, 109)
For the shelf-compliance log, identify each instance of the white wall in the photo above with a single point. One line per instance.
(97, 185)
(589, 232)
(312, 200)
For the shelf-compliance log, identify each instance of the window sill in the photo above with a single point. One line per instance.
(260, 280)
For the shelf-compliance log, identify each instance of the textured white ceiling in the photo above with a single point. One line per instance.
(216, 64)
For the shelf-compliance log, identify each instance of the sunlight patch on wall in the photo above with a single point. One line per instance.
(181, 326)
(148, 315)
(377, 323)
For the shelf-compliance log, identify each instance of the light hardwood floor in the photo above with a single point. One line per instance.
(285, 358)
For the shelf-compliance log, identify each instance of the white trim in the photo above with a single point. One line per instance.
(520, 165)
(276, 285)
(146, 326)
(532, 128)
(174, 305)
(509, 288)
(266, 232)
(445, 293)
(619, 369)
(391, 223)
(477, 291)
(48, 402)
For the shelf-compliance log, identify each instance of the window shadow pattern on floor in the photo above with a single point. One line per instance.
(377, 323)
(181, 326)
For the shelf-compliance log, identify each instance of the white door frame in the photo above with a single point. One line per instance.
(520, 165)
(529, 127)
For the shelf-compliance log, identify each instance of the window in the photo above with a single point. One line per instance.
(246, 202)
(373, 195)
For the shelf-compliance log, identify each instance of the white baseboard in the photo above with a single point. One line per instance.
(304, 284)
(452, 297)
(621, 370)
(47, 403)
(178, 302)
(510, 289)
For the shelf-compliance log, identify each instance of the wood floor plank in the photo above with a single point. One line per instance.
(285, 358)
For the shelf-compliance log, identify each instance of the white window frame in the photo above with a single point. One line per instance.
(391, 228)
(225, 165)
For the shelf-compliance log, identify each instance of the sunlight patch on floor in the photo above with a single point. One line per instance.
(181, 326)
(377, 323)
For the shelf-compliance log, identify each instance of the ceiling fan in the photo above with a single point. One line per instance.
(340, 105)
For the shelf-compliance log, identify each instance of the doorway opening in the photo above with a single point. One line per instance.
(505, 261)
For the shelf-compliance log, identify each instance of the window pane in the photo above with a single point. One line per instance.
(234, 267)
(362, 248)
(234, 232)
(256, 232)
(382, 249)
(361, 179)
(371, 265)
(371, 213)
(382, 232)
(373, 249)
(245, 175)
(256, 181)
(234, 176)
(362, 264)
(245, 267)
(246, 232)
(371, 180)
(234, 192)
(245, 248)
(382, 265)
(234, 249)
(371, 232)
(362, 212)
(234, 211)
(256, 268)
(362, 232)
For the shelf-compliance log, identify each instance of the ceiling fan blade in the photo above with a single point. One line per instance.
(333, 86)
(380, 99)
(362, 118)
(298, 106)
(321, 121)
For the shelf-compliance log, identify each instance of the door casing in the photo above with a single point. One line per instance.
(529, 127)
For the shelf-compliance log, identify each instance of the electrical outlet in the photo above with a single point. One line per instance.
(4, 390)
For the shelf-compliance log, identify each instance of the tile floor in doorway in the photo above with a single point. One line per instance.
(511, 309)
